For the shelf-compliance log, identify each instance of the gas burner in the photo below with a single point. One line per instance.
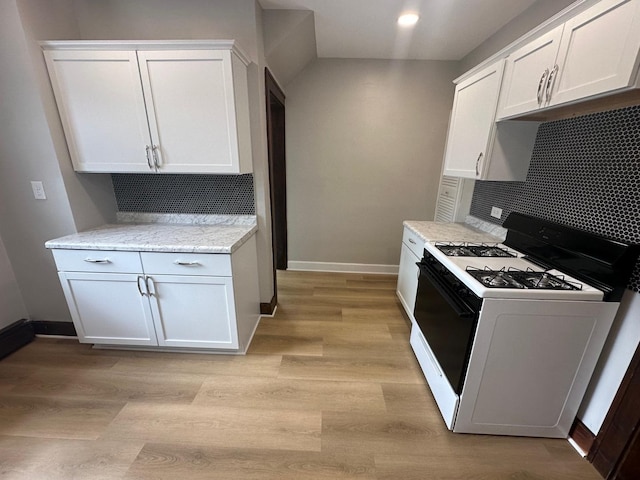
(494, 278)
(456, 251)
(548, 281)
(472, 250)
(499, 279)
(515, 278)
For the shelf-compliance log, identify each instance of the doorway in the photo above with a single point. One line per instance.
(615, 452)
(275, 102)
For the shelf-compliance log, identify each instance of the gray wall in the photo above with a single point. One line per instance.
(529, 19)
(365, 140)
(29, 150)
(12, 306)
(289, 42)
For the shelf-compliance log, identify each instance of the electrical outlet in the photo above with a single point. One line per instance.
(38, 190)
(496, 212)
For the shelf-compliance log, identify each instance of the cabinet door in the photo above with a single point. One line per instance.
(599, 51)
(196, 312)
(101, 106)
(191, 109)
(108, 308)
(472, 123)
(525, 81)
(408, 280)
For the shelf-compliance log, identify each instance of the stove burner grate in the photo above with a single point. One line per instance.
(516, 278)
(466, 249)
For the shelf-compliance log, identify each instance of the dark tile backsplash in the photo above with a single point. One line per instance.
(202, 194)
(585, 172)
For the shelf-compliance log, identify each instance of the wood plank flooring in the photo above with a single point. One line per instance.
(330, 389)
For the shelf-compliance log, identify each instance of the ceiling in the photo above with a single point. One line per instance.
(447, 29)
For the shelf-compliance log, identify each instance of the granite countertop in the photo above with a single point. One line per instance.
(159, 237)
(450, 232)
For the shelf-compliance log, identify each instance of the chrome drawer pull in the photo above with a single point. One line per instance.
(151, 286)
(144, 294)
(156, 160)
(94, 260)
(147, 149)
(543, 81)
(411, 241)
(478, 163)
(194, 263)
(551, 83)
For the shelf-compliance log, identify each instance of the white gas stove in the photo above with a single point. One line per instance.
(502, 272)
(508, 335)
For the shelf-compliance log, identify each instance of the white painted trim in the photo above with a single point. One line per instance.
(343, 267)
(147, 45)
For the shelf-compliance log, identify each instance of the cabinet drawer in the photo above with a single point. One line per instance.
(414, 242)
(97, 261)
(443, 393)
(211, 264)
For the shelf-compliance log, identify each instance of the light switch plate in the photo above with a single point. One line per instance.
(38, 190)
(496, 212)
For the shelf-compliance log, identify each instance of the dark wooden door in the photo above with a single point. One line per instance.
(630, 466)
(616, 450)
(277, 170)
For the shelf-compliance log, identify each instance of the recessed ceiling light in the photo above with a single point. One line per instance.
(408, 19)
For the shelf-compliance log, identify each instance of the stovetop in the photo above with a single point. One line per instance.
(503, 272)
(467, 249)
(515, 278)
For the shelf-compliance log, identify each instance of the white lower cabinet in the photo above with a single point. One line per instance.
(108, 308)
(412, 246)
(183, 309)
(197, 301)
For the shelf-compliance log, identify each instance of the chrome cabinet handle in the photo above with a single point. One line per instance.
(551, 82)
(147, 149)
(151, 287)
(97, 260)
(140, 277)
(193, 263)
(543, 81)
(156, 157)
(478, 163)
(411, 241)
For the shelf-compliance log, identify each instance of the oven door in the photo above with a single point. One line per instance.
(446, 313)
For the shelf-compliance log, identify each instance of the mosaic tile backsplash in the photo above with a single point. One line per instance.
(585, 172)
(195, 194)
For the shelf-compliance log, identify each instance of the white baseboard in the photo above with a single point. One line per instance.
(343, 267)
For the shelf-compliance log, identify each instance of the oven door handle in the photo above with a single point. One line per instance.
(459, 306)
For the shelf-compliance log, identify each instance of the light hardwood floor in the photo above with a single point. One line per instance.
(330, 389)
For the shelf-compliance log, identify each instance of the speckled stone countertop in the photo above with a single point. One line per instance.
(450, 232)
(159, 237)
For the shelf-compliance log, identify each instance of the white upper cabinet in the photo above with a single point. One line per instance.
(152, 107)
(527, 75)
(477, 147)
(599, 51)
(593, 53)
(102, 109)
